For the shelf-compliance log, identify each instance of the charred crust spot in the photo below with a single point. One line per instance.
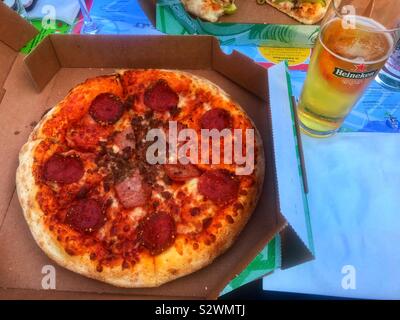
(99, 268)
(93, 256)
(127, 153)
(149, 114)
(167, 180)
(166, 195)
(70, 251)
(136, 123)
(229, 219)
(125, 265)
(113, 230)
(213, 238)
(83, 192)
(238, 207)
(129, 102)
(195, 211)
(180, 195)
(175, 111)
(175, 210)
(45, 112)
(155, 123)
(173, 271)
(108, 203)
(106, 186)
(207, 222)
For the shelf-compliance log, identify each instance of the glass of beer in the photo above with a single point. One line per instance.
(356, 38)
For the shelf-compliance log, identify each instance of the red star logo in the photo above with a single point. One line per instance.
(360, 67)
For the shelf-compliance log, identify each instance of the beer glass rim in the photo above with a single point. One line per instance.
(374, 29)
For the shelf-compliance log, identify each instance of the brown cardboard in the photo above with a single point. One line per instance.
(14, 31)
(62, 61)
(149, 8)
(248, 12)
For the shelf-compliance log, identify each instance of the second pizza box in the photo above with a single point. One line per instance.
(31, 84)
(251, 24)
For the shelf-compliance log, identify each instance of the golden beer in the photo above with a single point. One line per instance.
(345, 60)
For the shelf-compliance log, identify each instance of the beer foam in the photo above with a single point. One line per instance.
(369, 42)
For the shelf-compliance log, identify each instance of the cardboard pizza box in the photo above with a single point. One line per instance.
(251, 24)
(32, 84)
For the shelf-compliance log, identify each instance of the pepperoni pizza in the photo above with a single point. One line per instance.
(96, 205)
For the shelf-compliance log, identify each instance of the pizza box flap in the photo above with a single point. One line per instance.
(248, 12)
(62, 61)
(75, 51)
(14, 33)
(149, 8)
(289, 163)
(14, 30)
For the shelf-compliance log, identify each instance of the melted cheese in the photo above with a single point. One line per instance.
(286, 5)
(205, 9)
(310, 10)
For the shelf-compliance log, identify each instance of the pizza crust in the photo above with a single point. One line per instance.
(312, 20)
(204, 9)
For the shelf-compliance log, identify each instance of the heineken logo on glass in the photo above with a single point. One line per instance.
(359, 73)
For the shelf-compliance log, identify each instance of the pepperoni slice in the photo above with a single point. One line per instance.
(133, 191)
(160, 97)
(63, 169)
(218, 186)
(106, 108)
(85, 215)
(157, 232)
(181, 172)
(216, 119)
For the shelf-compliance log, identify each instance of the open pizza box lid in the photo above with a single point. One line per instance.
(251, 24)
(32, 84)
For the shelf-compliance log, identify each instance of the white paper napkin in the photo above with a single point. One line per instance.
(354, 199)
